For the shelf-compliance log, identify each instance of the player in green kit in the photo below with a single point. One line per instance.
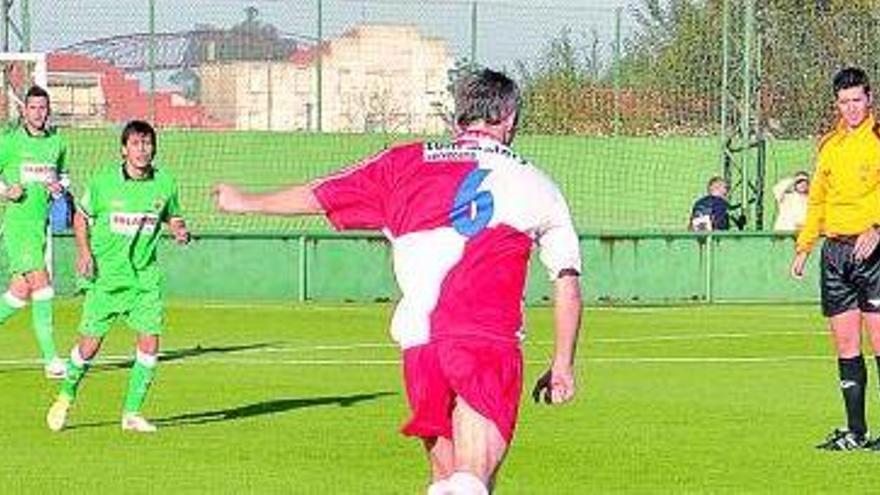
(33, 165)
(117, 227)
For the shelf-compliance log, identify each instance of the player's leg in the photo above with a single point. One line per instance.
(99, 310)
(15, 298)
(146, 317)
(487, 378)
(846, 329)
(441, 456)
(24, 253)
(430, 400)
(840, 295)
(141, 376)
(479, 450)
(42, 318)
(77, 365)
(868, 277)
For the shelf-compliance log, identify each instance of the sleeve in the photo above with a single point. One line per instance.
(61, 165)
(815, 212)
(782, 187)
(5, 154)
(356, 197)
(558, 243)
(86, 202)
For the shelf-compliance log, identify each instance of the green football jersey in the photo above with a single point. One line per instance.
(33, 162)
(126, 217)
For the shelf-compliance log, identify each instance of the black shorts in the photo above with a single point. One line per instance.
(847, 284)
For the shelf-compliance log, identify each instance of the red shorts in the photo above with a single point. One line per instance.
(487, 375)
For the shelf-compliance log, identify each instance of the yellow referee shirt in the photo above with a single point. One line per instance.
(845, 192)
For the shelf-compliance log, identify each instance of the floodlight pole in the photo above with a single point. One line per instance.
(319, 68)
(743, 156)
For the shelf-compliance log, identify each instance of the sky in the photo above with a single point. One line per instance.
(509, 30)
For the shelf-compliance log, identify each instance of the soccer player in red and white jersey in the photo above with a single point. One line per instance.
(461, 218)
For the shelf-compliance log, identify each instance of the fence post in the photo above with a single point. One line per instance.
(303, 268)
(473, 33)
(617, 15)
(319, 68)
(710, 267)
(25, 25)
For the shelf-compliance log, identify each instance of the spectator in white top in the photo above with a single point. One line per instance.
(791, 202)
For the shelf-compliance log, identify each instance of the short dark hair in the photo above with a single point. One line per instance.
(714, 180)
(851, 77)
(485, 95)
(36, 92)
(138, 127)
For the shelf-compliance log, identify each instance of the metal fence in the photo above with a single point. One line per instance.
(630, 105)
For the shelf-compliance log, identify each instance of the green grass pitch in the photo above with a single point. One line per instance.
(307, 399)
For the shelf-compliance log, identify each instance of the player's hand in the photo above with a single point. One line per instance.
(14, 192)
(556, 386)
(85, 264)
(797, 265)
(229, 199)
(865, 244)
(182, 236)
(55, 188)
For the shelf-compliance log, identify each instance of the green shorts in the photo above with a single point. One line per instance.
(25, 247)
(142, 309)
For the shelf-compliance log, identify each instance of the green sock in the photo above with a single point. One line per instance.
(43, 320)
(76, 370)
(9, 304)
(140, 378)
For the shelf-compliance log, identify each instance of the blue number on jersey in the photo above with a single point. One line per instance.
(464, 222)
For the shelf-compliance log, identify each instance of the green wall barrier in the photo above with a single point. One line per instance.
(619, 268)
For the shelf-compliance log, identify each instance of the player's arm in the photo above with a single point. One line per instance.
(177, 226)
(813, 223)
(293, 200)
(61, 182)
(560, 254)
(85, 264)
(557, 385)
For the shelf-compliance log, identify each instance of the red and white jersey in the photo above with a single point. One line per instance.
(462, 218)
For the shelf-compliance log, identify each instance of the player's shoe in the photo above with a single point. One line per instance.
(841, 439)
(136, 423)
(56, 369)
(57, 415)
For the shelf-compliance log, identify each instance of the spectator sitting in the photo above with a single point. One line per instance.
(791, 202)
(712, 211)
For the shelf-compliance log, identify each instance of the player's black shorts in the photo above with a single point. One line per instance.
(845, 283)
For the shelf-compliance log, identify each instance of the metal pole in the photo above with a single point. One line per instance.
(710, 267)
(151, 59)
(725, 84)
(319, 67)
(303, 284)
(746, 122)
(616, 82)
(25, 6)
(473, 33)
(4, 12)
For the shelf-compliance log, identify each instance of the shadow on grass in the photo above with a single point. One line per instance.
(184, 353)
(250, 410)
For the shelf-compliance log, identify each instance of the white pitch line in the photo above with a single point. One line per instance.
(396, 362)
(705, 336)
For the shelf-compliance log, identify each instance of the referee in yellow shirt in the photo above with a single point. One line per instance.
(844, 206)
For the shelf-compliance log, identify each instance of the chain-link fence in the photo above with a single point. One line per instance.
(627, 104)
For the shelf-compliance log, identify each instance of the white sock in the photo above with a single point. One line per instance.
(439, 488)
(464, 483)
